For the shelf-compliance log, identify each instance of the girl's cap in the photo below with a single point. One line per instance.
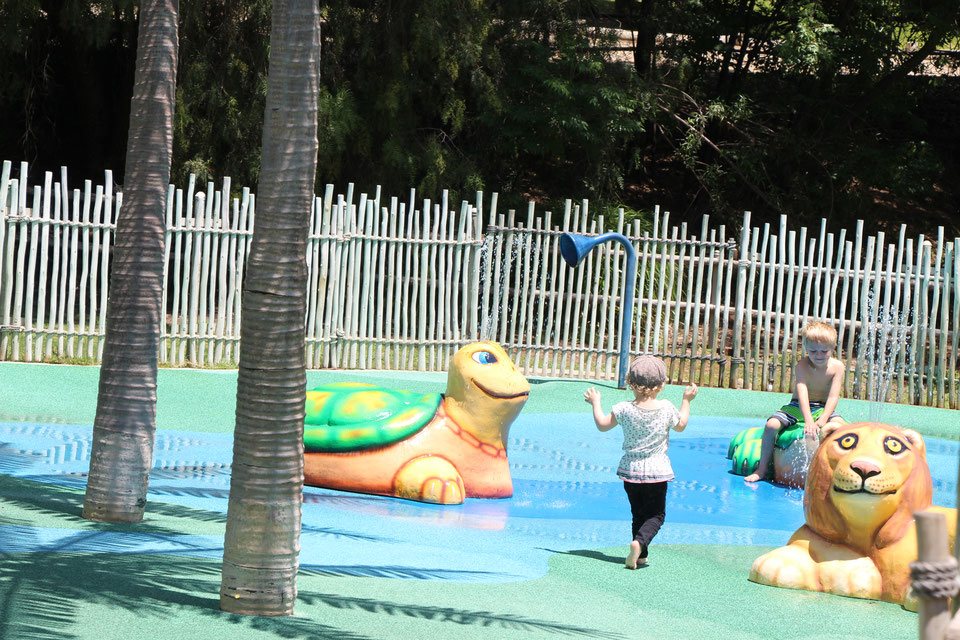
(647, 371)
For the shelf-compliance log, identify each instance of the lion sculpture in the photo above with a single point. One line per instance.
(865, 482)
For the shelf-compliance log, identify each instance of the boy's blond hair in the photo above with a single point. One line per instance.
(819, 332)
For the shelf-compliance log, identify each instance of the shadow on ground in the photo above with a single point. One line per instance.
(588, 553)
(43, 593)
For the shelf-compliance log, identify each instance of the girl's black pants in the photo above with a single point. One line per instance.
(648, 506)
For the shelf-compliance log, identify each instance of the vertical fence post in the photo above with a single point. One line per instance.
(743, 262)
(955, 328)
(4, 185)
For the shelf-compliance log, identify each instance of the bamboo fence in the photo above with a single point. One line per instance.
(402, 283)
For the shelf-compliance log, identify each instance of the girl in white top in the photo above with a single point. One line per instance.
(644, 468)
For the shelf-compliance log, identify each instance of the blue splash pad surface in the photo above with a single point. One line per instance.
(566, 497)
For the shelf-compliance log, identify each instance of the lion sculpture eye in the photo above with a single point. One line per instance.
(848, 441)
(484, 357)
(893, 446)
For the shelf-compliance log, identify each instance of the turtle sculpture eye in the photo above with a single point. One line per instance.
(484, 357)
(893, 446)
(848, 441)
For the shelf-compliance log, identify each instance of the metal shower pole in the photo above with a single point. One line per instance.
(573, 248)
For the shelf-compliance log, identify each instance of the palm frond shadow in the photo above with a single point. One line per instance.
(484, 619)
(13, 459)
(48, 499)
(344, 498)
(337, 533)
(64, 503)
(43, 592)
(220, 517)
(387, 571)
(182, 511)
(195, 472)
(190, 492)
(70, 480)
(224, 494)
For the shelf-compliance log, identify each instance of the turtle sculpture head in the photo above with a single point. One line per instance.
(485, 391)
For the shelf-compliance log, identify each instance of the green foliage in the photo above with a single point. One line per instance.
(221, 89)
(803, 107)
(397, 81)
(61, 64)
(567, 116)
(514, 97)
(611, 213)
(809, 44)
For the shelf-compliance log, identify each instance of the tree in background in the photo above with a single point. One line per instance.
(262, 542)
(66, 76)
(125, 423)
(222, 84)
(398, 82)
(508, 96)
(566, 118)
(804, 108)
(782, 106)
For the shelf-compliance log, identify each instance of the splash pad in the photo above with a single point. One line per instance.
(539, 564)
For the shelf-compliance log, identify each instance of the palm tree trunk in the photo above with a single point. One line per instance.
(125, 422)
(262, 542)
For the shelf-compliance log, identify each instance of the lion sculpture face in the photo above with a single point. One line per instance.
(865, 482)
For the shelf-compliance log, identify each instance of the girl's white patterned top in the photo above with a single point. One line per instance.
(646, 435)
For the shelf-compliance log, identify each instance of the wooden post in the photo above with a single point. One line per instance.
(956, 323)
(743, 264)
(934, 611)
(5, 250)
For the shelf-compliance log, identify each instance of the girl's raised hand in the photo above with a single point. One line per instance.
(690, 392)
(591, 396)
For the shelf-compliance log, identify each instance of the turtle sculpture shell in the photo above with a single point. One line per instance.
(428, 447)
(354, 416)
(791, 454)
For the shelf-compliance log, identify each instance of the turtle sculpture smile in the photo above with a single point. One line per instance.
(431, 447)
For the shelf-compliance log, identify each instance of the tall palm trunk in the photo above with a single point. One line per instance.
(262, 542)
(125, 423)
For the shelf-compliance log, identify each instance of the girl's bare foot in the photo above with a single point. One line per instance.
(753, 477)
(633, 556)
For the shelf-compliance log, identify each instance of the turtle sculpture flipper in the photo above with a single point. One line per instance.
(426, 447)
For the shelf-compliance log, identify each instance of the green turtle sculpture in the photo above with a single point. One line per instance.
(432, 447)
(791, 453)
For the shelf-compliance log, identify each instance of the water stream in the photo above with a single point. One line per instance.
(884, 342)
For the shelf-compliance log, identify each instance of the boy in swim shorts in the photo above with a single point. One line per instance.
(817, 380)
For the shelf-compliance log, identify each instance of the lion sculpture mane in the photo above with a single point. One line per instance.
(864, 484)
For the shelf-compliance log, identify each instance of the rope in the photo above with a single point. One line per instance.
(935, 579)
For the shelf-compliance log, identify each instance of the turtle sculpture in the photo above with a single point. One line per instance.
(430, 447)
(791, 452)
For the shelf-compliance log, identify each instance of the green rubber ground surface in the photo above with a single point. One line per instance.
(687, 592)
(68, 394)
